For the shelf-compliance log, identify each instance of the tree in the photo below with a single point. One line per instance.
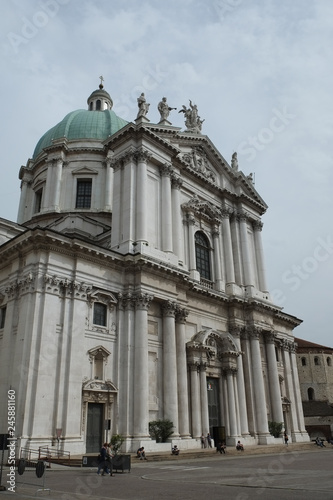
(161, 430)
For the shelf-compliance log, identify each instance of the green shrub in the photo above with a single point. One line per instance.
(275, 428)
(161, 430)
(116, 442)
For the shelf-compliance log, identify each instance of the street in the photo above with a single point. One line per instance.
(286, 475)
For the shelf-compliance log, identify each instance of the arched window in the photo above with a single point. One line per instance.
(311, 394)
(98, 104)
(303, 361)
(202, 255)
(316, 361)
(329, 361)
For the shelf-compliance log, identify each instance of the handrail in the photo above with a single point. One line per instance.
(44, 453)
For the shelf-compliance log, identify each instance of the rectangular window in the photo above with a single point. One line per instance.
(83, 194)
(38, 200)
(99, 314)
(2, 317)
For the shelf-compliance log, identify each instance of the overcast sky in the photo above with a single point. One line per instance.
(260, 72)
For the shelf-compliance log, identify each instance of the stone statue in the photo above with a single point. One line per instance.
(164, 109)
(192, 119)
(234, 161)
(143, 106)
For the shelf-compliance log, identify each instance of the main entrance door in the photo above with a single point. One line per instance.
(213, 405)
(94, 427)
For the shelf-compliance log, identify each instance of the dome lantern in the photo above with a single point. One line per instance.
(99, 100)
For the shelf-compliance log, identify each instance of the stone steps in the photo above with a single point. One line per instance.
(76, 461)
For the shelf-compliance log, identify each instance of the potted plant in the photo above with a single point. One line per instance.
(161, 430)
(119, 461)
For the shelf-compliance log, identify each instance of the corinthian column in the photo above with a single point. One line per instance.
(141, 196)
(108, 183)
(245, 249)
(23, 201)
(231, 402)
(217, 260)
(192, 266)
(141, 388)
(235, 331)
(229, 259)
(273, 378)
(298, 397)
(57, 182)
(170, 396)
(126, 383)
(195, 401)
(183, 416)
(258, 383)
(257, 227)
(204, 399)
(166, 172)
(290, 385)
(177, 237)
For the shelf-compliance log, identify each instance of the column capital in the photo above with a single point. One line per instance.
(142, 155)
(270, 337)
(226, 213)
(229, 371)
(176, 182)
(142, 301)
(166, 170)
(257, 225)
(253, 331)
(169, 308)
(181, 315)
(193, 367)
(242, 216)
(125, 301)
(236, 330)
(288, 345)
(216, 230)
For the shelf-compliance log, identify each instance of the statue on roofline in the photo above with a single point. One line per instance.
(143, 105)
(193, 122)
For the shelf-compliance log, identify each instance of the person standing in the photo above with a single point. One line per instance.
(286, 439)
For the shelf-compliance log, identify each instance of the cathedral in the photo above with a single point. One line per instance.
(133, 289)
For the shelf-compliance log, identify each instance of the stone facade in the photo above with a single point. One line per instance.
(134, 290)
(315, 371)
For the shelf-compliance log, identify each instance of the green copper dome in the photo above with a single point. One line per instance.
(82, 124)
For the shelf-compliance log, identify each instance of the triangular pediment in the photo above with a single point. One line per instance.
(84, 171)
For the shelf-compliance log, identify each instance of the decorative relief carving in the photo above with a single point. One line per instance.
(203, 209)
(66, 286)
(21, 285)
(197, 161)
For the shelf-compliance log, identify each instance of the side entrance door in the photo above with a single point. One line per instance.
(94, 427)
